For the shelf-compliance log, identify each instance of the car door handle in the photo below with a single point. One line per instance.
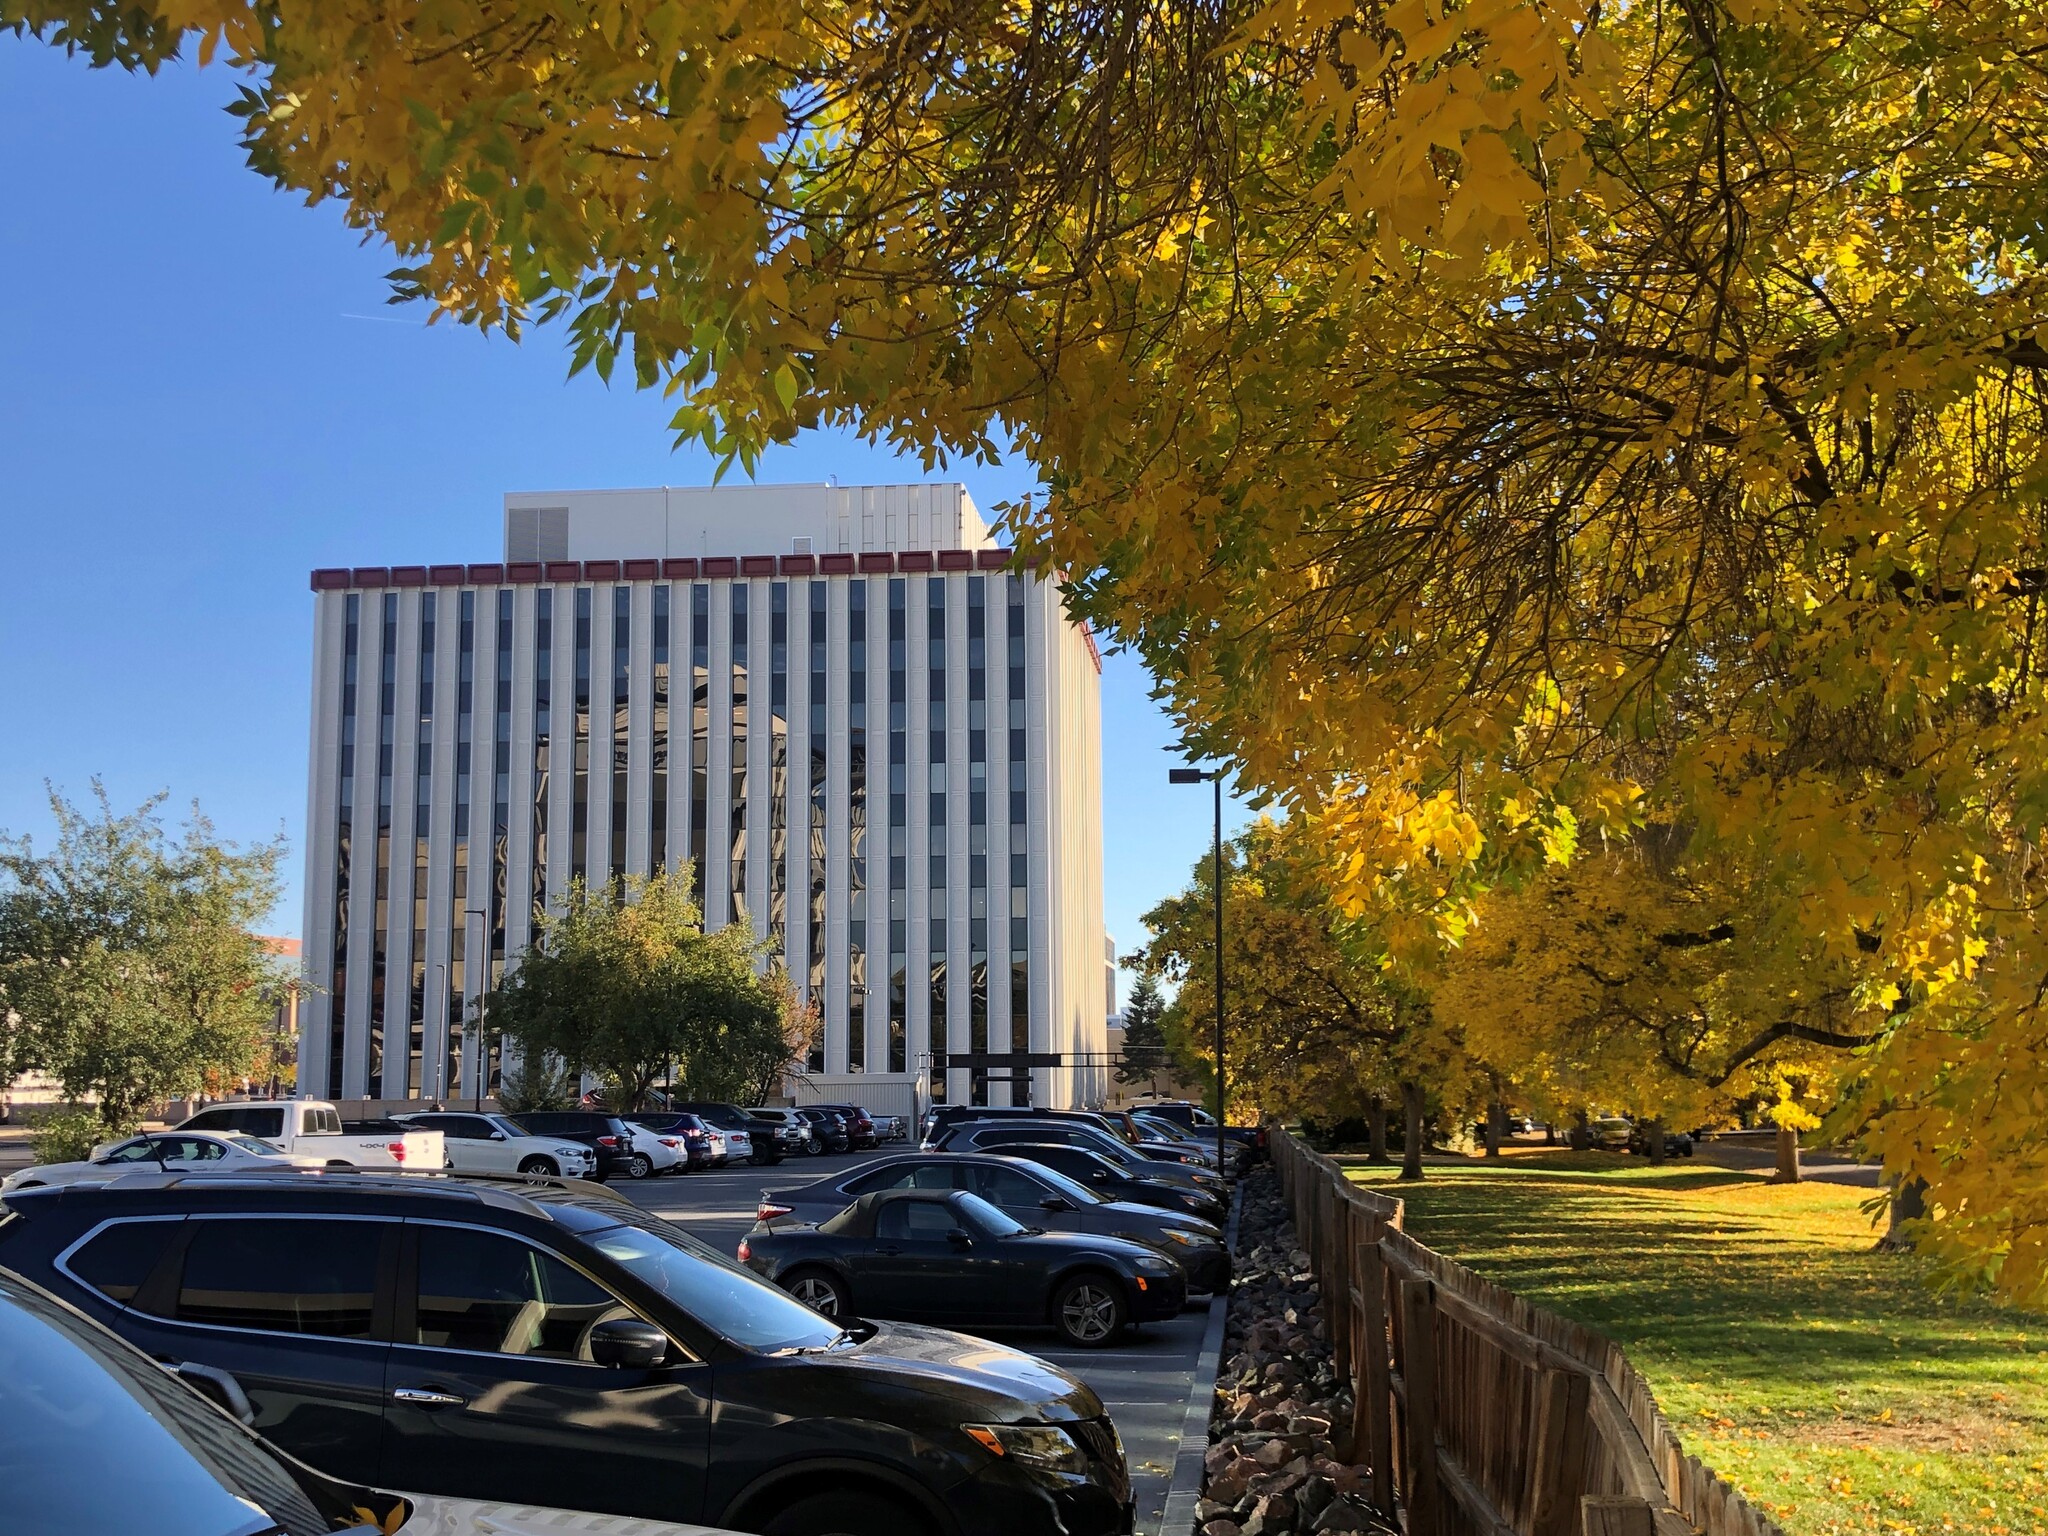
(427, 1397)
(888, 1253)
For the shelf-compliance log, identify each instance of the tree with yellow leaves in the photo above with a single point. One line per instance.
(1502, 424)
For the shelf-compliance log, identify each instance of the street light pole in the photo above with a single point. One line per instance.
(1195, 776)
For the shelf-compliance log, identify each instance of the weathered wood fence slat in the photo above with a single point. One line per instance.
(1479, 1414)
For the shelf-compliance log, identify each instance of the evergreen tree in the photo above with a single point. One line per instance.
(1145, 1050)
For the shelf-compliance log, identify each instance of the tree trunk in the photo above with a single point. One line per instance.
(1653, 1133)
(1376, 1128)
(1411, 1153)
(1581, 1133)
(1496, 1127)
(1909, 1203)
(1788, 1156)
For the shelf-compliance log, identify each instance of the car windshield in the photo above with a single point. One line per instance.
(986, 1216)
(259, 1147)
(508, 1126)
(732, 1302)
(77, 1401)
(1161, 1130)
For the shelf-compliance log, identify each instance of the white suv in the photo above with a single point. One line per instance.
(495, 1144)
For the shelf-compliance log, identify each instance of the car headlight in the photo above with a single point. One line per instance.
(1185, 1239)
(1154, 1264)
(1033, 1445)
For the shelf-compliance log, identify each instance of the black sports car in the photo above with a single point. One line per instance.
(934, 1256)
(1027, 1192)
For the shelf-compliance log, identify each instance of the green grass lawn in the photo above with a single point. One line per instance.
(1826, 1381)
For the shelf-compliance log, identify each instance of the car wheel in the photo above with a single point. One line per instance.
(1089, 1311)
(538, 1164)
(821, 1292)
(855, 1512)
(639, 1165)
(816, 1149)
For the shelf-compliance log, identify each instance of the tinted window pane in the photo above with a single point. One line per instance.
(1004, 1186)
(918, 1175)
(282, 1275)
(116, 1262)
(732, 1302)
(495, 1295)
(915, 1218)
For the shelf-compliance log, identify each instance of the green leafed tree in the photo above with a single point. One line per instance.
(130, 967)
(624, 983)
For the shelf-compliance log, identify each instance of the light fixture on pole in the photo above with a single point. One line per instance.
(1196, 776)
(482, 1078)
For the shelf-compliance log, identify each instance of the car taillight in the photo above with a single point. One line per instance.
(746, 1250)
(767, 1210)
(397, 1150)
(607, 1142)
(670, 1141)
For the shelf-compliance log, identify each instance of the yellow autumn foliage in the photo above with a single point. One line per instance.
(1504, 425)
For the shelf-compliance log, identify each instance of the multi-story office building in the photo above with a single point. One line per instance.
(867, 729)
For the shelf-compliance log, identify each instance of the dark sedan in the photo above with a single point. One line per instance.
(549, 1344)
(860, 1130)
(993, 1136)
(933, 1256)
(1095, 1172)
(1027, 1192)
(1130, 1177)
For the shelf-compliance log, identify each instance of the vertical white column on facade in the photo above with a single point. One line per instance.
(1048, 983)
(959, 903)
(640, 727)
(997, 720)
(598, 857)
(796, 935)
(398, 909)
(760, 735)
(917, 948)
(483, 725)
(877, 845)
(682, 714)
(718, 808)
(441, 842)
(519, 851)
(837, 824)
(562, 747)
(362, 885)
(316, 952)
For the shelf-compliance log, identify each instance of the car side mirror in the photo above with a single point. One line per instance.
(959, 1239)
(1055, 1203)
(628, 1343)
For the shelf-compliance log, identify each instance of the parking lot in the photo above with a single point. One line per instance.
(1145, 1381)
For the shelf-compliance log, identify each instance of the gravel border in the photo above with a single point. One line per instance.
(1178, 1515)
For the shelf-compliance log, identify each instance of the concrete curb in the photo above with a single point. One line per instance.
(1177, 1518)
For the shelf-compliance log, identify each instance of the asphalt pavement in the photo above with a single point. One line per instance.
(1144, 1380)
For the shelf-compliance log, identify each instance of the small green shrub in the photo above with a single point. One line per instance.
(535, 1084)
(70, 1134)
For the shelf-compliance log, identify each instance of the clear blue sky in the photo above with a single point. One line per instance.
(203, 395)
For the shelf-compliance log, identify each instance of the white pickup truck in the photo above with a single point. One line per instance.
(313, 1128)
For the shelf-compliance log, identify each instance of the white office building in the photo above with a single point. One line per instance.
(876, 737)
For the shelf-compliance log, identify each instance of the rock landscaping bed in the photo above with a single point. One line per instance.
(1272, 1464)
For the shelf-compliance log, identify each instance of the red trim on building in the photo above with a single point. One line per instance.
(798, 565)
(877, 561)
(446, 575)
(521, 573)
(720, 565)
(565, 570)
(685, 567)
(524, 573)
(757, 565)
(836, 565)
(600, 570)
(992, 559)
(914, 560)
(370, 576)
(486, 575)
(408, 575)
(642, 570)
(1088, 639)
(956, 559)
(331, 579)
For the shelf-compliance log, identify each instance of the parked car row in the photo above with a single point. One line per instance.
(544, 1342)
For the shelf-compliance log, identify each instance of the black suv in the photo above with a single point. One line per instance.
(548, 1343)
(606, 1135)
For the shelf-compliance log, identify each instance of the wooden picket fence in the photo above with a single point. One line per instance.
(1478, 1413)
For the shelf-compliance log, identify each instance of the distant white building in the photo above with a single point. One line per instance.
(875, 735)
